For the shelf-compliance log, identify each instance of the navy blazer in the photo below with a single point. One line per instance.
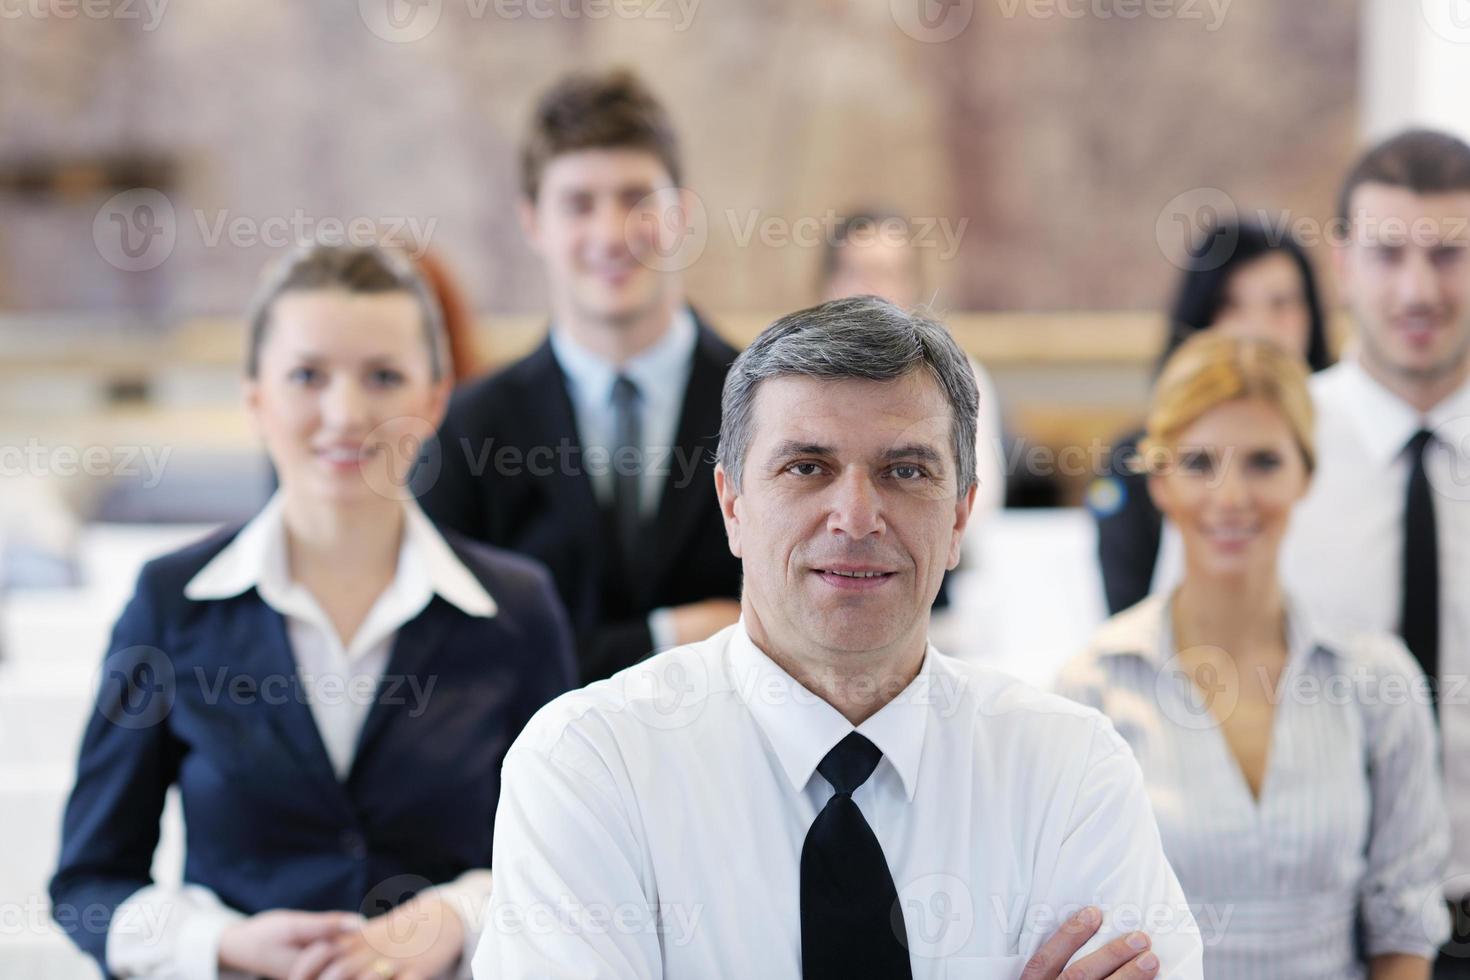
(204, 694)
(548, 510)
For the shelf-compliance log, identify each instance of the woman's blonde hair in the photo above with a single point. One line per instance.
(1211, 369)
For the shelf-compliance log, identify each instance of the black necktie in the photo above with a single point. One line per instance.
(627, 466)
(851, 923)
(1419, 620)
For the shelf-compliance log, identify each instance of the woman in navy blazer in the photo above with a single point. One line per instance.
(331, 687)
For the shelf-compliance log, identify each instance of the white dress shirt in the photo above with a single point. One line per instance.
(651, 824)
(661, 374)
(340, 683)
(1344, 552)
(1349, 829)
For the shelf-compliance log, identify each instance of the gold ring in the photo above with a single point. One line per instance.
(384, 969)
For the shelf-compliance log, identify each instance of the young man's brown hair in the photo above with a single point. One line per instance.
(1421, 160)
(611, 110)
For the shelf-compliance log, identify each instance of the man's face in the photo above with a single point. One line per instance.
(1406, 275)
(848, 514)
(880, 265)
(601, 222)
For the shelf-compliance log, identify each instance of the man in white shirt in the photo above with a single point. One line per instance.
(1382, 541)
(816, 791)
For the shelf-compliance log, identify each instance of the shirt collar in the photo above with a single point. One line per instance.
(1385, 422)
(256, 558)
(802, 728)
(593, 376)
(1147, 631)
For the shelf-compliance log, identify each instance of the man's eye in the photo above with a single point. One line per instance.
(908, 472)
(304, 375)
(804, 469)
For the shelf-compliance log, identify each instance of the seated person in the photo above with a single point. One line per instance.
(331, 687)
(1260, 286)
(816, 791)
(1292, 786)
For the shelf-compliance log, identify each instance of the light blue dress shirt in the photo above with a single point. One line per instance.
(1350, 828)
(661, 374)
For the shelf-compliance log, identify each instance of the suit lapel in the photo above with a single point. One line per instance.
(690, 483)
(413, 651)
(553, 421)
(291, 717)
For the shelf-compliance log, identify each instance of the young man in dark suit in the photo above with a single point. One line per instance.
(594, 454)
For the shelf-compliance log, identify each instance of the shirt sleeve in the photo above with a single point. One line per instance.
(569, 898)
(1403, 910)
(1110, 855)
(167, 933)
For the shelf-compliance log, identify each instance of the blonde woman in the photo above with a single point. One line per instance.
(331, 687)
(1291, 766)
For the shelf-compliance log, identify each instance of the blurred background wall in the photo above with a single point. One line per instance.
(1043, 141)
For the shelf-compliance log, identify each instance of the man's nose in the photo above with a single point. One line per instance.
(857, 505)
(1417, 284)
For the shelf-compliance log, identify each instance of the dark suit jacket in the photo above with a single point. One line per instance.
(507, 469)
(1128, 531)
(204, 694)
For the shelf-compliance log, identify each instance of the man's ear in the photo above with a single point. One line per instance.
(529, 226)
(964, 507)
(729, 497)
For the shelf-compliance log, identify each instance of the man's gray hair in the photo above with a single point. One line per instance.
(865, 338)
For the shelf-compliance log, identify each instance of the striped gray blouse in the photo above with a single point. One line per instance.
(1349, 831)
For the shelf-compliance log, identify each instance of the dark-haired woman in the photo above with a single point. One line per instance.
(331, 687)
(1243, 280)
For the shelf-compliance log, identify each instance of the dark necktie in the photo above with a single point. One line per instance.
(851, 923)
(1419, 620)
(627, 466)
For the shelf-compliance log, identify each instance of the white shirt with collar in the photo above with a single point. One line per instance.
(1349, 831)
(661, 373)
(1344, 552)
(340, 684)
(651, 824)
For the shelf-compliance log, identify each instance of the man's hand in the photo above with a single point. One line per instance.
(420, 939)
(1125, 958)
(697, 621)
(268, 943)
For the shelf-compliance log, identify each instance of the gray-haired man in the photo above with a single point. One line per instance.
(816, 791)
